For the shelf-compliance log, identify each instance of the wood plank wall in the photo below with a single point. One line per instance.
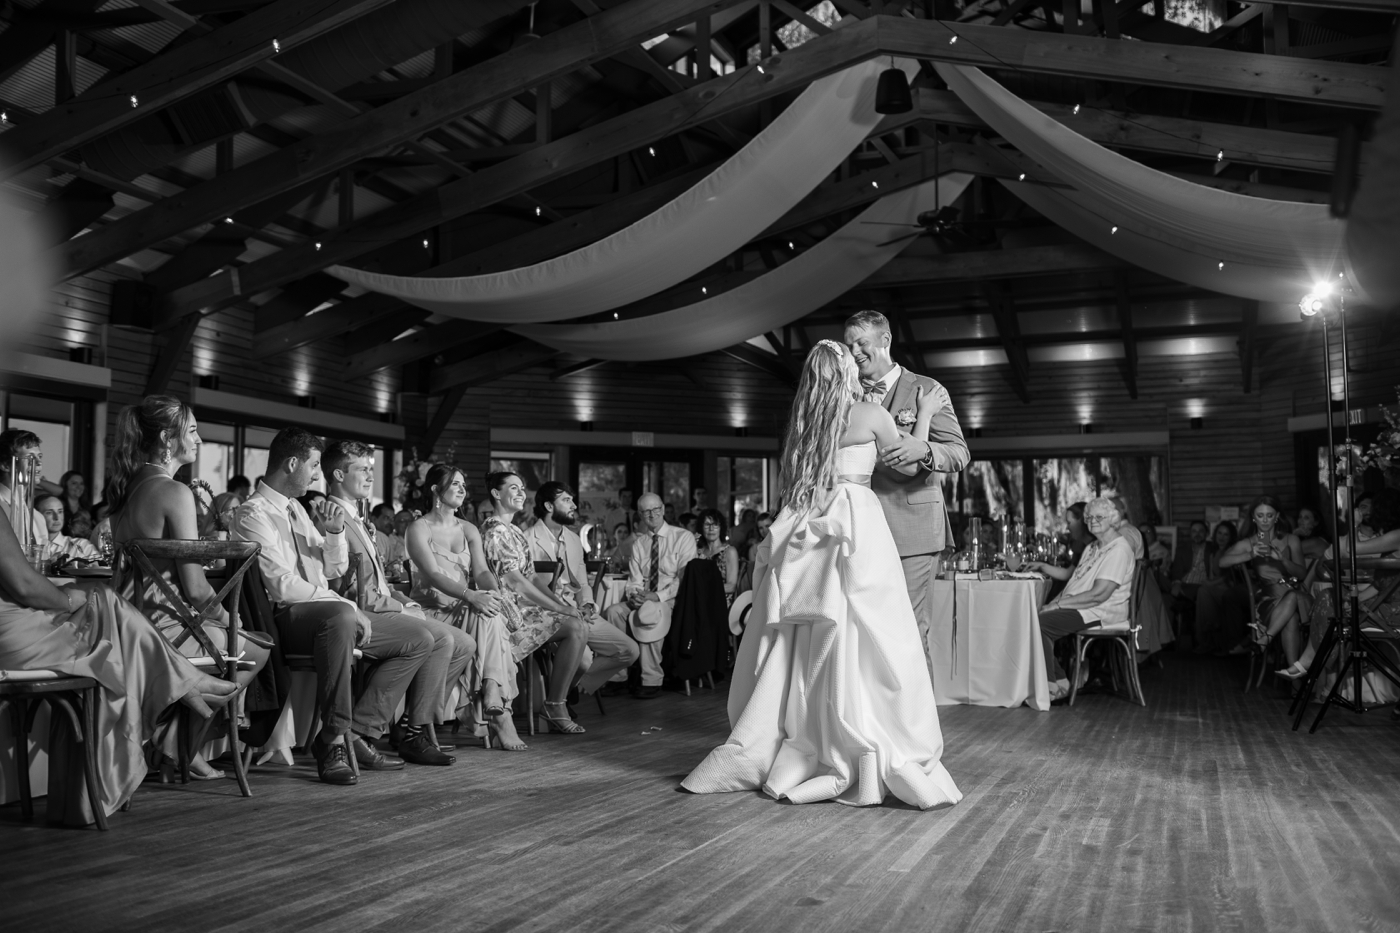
(1244, 447)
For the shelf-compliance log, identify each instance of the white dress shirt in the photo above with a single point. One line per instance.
(38, 525)
(566, 549)
(263, 519)
(62, 545)
(675, 549)
(887, 382)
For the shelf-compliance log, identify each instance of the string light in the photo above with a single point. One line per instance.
(318, 247)
(614, 315)
(1221, 267)
(1023, 177)
(953, 41)
(228, 220)
(1076, 110)
(790, 245)
(761, 71)
(1113, 231)
(425, 242)
(1220, 156)
(874, 184)
(133, 101)
(5, 117)
(537, 212)
(704, 290)
(651, 150)
(276, 46)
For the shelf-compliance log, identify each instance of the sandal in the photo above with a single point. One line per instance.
(560, 724)
(492, 730)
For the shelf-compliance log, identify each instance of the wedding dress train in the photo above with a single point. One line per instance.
(831, 697)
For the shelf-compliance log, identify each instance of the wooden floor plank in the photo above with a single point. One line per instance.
(1199, 812)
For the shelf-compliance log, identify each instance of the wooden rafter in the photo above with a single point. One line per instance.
(402, 121)
(489, 367)
(1125, 321)
(1249, 343)
(175, 75)
(427, 342)
(763, 362)
(1009, 335)
(907, 271)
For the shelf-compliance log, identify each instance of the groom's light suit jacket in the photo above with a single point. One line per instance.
(914, 504)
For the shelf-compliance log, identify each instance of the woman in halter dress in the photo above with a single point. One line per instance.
(154, 439)
(831, 697)
(447, 558)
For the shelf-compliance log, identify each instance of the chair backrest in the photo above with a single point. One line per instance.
(138, 555)
(1247, 579)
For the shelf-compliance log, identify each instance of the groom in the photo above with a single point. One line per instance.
(913, 504)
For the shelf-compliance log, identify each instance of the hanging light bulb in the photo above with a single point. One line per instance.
(614, 315)
(1076, 110)
(1022, 178)
(704, 290)
(1221, 267)
(791, 245)
(1113, 231)
(134, 102)
(761, 71)
(874, 184)
(1220, 156)
(425, 242)
(537, 212)
(651, 150)
(228, 220)
(318, 247)
(276, 46)
(953, 41)
(892, 93)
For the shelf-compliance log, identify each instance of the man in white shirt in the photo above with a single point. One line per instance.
(20, 445)
(659, 555)
(61, 545)
(622, 512)
(1098, 593)
(552, 539)
(299, 552)
(391, 547)
(349, 470)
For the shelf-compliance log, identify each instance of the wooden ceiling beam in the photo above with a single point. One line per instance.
(488, 367)
(1125, 321)
(396, 123)
(1060, 259)
(1078, 337)
(1009, 334)
(429, 341)
(175, 75)
(1249, 343)
(764, 362)
(1218, 71)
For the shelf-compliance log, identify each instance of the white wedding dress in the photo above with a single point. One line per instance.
(831, 696)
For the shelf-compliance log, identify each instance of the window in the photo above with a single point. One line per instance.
(598, 483)
(743, 485)
(534, 467)
(1060, 482)
(215, 461)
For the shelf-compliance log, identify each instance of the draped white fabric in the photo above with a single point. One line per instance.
(798, 287)
(1271, 250)
(736, 202)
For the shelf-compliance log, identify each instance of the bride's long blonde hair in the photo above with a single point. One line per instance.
(829, 386)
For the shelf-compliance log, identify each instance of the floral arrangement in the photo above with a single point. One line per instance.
(410, 486)
(1384, 452)
(203, 496)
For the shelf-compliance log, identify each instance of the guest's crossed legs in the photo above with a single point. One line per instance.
(1054, 625)
(453, 650)
(620, 616)
(613, 651)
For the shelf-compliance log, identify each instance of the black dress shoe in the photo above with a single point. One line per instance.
(333, 764)
(647, 693)
(421, 750)
(369, 758)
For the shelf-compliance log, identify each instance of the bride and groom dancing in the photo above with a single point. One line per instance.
(831, 696)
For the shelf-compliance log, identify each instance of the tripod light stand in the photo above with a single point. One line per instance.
(1344, 630)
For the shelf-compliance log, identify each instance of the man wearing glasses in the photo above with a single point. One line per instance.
(659, 555)
(1097, 593)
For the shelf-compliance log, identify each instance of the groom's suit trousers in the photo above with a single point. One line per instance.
(919, 573)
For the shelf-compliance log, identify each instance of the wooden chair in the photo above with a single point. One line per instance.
(1263, 654)
(24, 692)
(1125, 639)
(238, 556)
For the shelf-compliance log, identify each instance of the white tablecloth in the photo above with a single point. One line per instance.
(991, 654)
(610, 590)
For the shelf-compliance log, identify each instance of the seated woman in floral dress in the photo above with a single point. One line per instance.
(715, 546)
(541, 612)
(446, 555)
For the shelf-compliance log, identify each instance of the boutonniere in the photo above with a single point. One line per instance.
(905, 418)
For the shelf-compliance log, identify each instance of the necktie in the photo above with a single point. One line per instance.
(874, 391)
(292, 521)
(654, 570)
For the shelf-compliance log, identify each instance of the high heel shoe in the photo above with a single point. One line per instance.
(492, 712)
(565, 725)
(492, 730)
(1293, 672)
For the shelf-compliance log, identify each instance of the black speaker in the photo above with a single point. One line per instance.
(133, 305)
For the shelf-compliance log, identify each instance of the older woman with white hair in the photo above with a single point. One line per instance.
(1098, 592)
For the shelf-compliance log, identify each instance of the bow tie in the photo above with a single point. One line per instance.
(874, 390)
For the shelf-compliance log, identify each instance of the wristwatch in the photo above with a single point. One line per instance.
(927, 462)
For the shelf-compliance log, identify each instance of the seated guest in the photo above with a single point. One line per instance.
(1158, 554)
(1276, 558)
(534, 613)
(1097, 592)
(349, 470)
(88, 631)
(618, 553)
(1077, 534)
(1384, 521)
(153, 440)
(1221, 608)
(690, 522)
(447, 559)
(552, 539)
(714, 546)
(223, 510)
(1307, 528)
(63, 546)
(74, 495)
(299, 551)
(669, 513)
(240, 487)
(1127, 529)
(21, 445)
(621, 513)
(1188, 572)
(659, 555)
(392, 548)
(748, 527)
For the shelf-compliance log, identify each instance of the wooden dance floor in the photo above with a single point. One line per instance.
(1200, 812)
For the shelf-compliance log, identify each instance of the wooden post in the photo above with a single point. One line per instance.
(65, 63)
(765, 49)
(702, 49)
(1071, 14)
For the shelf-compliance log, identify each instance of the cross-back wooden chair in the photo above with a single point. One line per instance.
(1123, 647)
(135, 559)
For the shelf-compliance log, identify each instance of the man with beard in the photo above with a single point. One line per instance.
(553, 539)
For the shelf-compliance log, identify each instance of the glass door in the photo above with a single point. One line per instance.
(600, 473)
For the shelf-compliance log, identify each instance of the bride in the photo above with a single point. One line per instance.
(831, 697)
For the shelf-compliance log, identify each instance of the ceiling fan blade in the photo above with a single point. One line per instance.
(901, 239)
(886, 223)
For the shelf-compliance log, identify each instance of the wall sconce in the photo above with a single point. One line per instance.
(976, 432)
(586, 426)
(389, 417)
(209, 381)
(741, 431)
(80, 355)
(1197, 423)
(306, 401)
(1086, 428)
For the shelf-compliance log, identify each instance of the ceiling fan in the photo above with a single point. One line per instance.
(943, 225)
